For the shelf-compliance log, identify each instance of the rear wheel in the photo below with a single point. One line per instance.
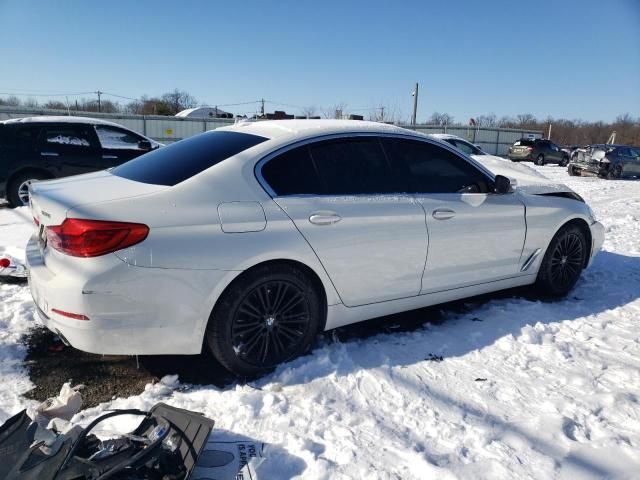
(269, 315)
(18, 189)
(540, 160)
(564, 162)
(563, 262)
(573, 171)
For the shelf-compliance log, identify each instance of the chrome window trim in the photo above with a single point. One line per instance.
(257, 169)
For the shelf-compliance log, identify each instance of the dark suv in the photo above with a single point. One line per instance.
(539, 151)
(38, 148)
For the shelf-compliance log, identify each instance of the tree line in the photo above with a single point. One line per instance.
(168, 103)
(563, 131)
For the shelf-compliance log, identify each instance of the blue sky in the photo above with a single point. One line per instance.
(565, 58)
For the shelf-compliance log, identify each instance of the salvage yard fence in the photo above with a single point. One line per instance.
(166, 129)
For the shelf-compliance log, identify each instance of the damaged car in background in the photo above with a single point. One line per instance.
(606, 161)
(250, 240)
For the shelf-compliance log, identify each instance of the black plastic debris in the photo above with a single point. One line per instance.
(166, 445)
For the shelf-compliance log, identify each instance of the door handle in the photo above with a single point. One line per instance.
(49, 154)
(443, 214)
(109, 156)
(324, 218)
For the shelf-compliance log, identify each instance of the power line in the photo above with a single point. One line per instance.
(46, 94)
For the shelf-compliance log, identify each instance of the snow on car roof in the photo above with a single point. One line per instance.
(442, 136)
(61, 119)
(287, 128)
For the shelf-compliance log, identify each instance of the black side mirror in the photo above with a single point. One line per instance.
(503, 184)
(144, 145)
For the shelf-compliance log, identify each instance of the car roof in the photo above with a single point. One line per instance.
(61, 119)
(284, 129)
(447, 136)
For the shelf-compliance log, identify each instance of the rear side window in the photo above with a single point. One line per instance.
(433, 169)
(292, 173)
(186, 158)
(353, 166)
(66, 136)
(22, 138)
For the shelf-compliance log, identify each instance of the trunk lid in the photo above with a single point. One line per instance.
(52, 199)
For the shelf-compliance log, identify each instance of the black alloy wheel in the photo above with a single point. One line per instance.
(540, 160)
(563, 262)
(270, 323)
(269, 315)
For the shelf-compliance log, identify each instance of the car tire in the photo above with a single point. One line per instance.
(15, 189)
(563, 262)
(614, 173)
(573, 171)
(564, 162)
(540, 160)
(269, 315)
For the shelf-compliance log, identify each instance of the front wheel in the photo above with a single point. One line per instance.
(614, 172)
(269, 315)
(563, 262)
(564, 162)
(540, 160)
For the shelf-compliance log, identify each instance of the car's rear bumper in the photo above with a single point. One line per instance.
(131, 310)
(519, 158)
(597, 239)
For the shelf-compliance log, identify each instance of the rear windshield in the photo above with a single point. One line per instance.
(186, 158)
(524, 142)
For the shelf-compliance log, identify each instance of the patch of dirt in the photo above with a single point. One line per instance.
(108, 376)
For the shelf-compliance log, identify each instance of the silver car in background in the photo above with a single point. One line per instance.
(249, 240)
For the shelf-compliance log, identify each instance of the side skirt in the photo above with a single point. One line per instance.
(339, 315)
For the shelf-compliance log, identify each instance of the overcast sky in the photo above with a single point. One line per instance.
(565, 58)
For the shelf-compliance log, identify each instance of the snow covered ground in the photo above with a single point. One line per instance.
(524, 389)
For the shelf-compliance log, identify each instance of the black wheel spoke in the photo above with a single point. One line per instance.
(270, 323)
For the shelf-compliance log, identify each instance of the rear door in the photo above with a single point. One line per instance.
(475, 236)
(118, 145)
(69, 149)
(344, 198)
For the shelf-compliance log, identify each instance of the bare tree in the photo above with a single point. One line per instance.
(178, 100)
(438, 118)
(11, 101)
(489, 120)
(337, 111)
(309, 111)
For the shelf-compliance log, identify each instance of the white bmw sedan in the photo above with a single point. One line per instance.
(249, 240)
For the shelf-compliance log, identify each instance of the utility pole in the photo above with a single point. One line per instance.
(262, 107)
(99, 105)
(415, 105)
(549, 134)
(382, 113)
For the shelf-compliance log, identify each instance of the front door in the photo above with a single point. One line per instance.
(475, 236)
(118, 145)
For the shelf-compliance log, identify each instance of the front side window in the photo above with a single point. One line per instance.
(433, 169)
(67, 137)
(292, 173)
(182, 160)
(353, 166)
(117, 138)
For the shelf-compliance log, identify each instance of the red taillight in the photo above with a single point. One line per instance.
(92, 238)
(4, 262)
(530, 149)
(75, 316)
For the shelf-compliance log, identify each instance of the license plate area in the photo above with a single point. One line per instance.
(42, 238)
